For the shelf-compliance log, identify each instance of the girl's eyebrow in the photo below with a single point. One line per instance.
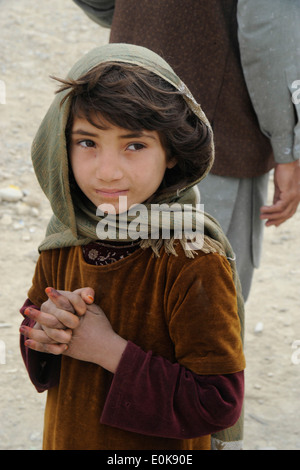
(137, 134)
(132, 135)
(82, 132)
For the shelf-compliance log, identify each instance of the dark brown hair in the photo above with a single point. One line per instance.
(134, 98)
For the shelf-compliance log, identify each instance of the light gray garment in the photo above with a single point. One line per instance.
(236, 203)
(100, 11)
(269, 40)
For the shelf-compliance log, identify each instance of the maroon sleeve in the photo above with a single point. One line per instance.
(43, 369)
(150, 395)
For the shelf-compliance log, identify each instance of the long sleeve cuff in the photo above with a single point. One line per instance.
(153, 396)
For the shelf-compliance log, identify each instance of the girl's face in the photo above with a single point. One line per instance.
(116, 162)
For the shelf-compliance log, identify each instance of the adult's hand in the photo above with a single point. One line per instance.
(286, 194)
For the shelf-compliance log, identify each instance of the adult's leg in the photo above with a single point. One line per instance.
(235, 203)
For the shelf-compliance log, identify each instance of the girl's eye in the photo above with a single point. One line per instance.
(136, 146)
(87, 143)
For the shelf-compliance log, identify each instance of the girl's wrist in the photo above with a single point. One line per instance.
(111, 355)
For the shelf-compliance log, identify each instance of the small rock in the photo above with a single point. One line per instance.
(18, 225)
(35, 212)
(257, 418)
(259, 327)
(11, 194)
(34, 436)
(5, 325)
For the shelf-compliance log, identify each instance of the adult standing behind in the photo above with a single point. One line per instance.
(240, 60)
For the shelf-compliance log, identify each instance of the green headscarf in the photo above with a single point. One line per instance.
(74, 223)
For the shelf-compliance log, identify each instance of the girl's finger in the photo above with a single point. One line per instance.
(64, 318)
(68, 301)
(59, 335)
(38, 335)
(59, 299)
(47, 335)
(43, 318)
(46, 348)
(86, 293)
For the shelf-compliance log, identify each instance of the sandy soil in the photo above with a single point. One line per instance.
(43, 38)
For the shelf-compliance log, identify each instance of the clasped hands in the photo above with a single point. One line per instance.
(70, 323)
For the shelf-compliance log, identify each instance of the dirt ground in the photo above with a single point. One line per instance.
(43, 38)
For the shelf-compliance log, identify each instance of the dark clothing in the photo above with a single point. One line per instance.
(205, 54)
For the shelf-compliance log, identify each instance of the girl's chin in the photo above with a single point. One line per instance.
(111, 208)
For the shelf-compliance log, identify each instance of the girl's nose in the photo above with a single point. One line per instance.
(108, 166)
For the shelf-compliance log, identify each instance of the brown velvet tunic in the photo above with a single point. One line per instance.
(179, 308)
(199, 40)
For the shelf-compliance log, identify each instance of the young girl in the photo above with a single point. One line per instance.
(139, 343)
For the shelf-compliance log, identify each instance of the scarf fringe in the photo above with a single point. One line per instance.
(207, 245)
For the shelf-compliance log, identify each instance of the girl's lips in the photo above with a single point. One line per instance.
(111, 193)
